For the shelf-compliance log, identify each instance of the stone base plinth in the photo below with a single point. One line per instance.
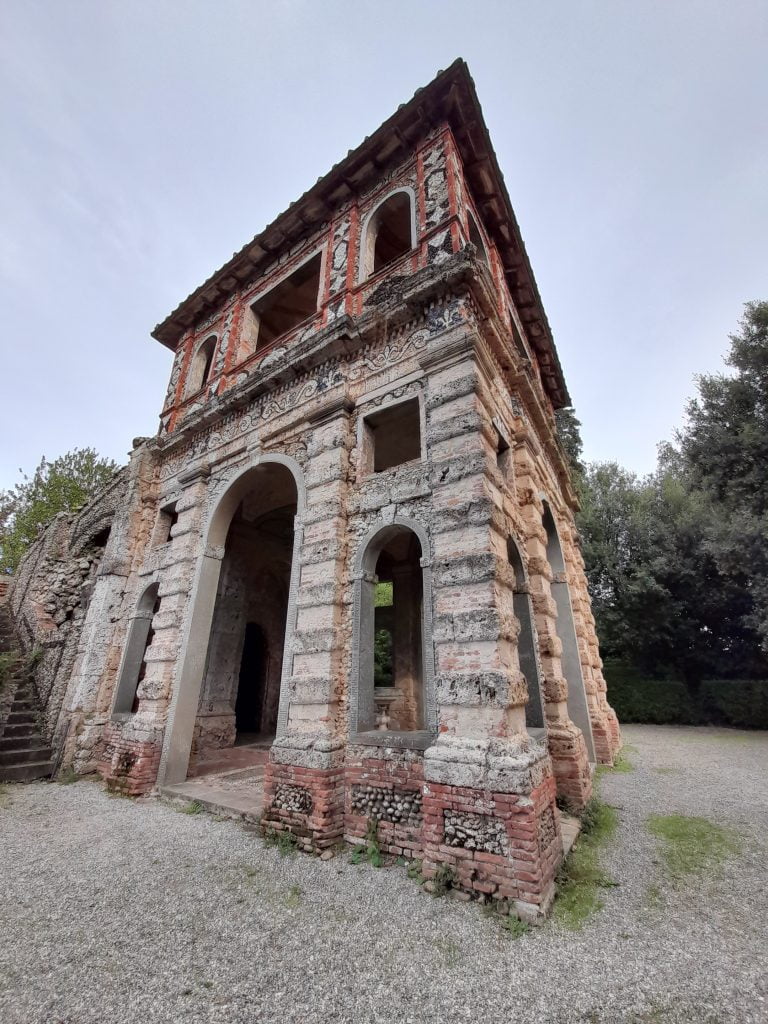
(386, 785)
(126, 764)
(306, 801)
(503, 846)
(573, 772)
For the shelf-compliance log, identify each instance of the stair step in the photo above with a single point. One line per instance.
(25, 729)
(20, 742)
(26, 772)
(20, 718)
(29, 755)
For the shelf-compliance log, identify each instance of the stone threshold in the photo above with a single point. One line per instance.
(233, 794)
(569, 829)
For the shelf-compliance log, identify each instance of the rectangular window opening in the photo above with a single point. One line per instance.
(289, 303)
(166, 520)
(395, 435)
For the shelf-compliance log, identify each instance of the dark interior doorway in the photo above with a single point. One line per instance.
(251, 687)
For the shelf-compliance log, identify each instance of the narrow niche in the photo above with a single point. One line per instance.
(134, 667)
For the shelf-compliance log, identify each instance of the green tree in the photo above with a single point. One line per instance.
(59, 486)
(724, 446)
(661, 602)
(569, 435)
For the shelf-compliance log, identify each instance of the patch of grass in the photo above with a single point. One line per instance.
(5, 798)
(692, 846)
(293, 897)
(192, 808)
(451, 951)
(621, 764)
(665, 769)
(284, 841)
(581, 878)
(654, 898)
(67, 777)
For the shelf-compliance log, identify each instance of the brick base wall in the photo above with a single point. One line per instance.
(392, 791)
(129, 766)
(499, 845)
(309, 802)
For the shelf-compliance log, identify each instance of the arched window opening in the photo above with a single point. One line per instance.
(476, 239)
(578, 710)
(202, 362)
(391, 685)
(388, 233)
(527, 645)
(134, 667)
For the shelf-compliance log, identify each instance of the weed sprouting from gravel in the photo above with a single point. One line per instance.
(370, 850)
(514, 927)
(443, 880)
(451, 951)
(692, 846)
(414, 871)
(67, 777)
(654, 899)
(293, 897)
(581, 878)
(193, 808)
(285, 842)
(5, 799)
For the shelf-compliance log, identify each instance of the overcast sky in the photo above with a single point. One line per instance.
(143, 142)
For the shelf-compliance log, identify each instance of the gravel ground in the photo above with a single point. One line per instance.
(122, 911)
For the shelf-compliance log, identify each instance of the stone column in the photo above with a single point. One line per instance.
(489, 797)
(304, 780)
(605, 725)
(566, 742)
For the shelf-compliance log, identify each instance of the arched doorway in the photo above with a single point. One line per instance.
(240, 695)
(247, 575)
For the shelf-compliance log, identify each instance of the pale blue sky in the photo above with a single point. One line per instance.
(144, 142)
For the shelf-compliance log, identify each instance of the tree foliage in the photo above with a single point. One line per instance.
(62, 485)
(678, 561)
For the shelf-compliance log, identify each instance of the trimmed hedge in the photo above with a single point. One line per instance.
(740, 703)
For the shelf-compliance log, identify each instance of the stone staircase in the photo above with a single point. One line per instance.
(24, 755)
